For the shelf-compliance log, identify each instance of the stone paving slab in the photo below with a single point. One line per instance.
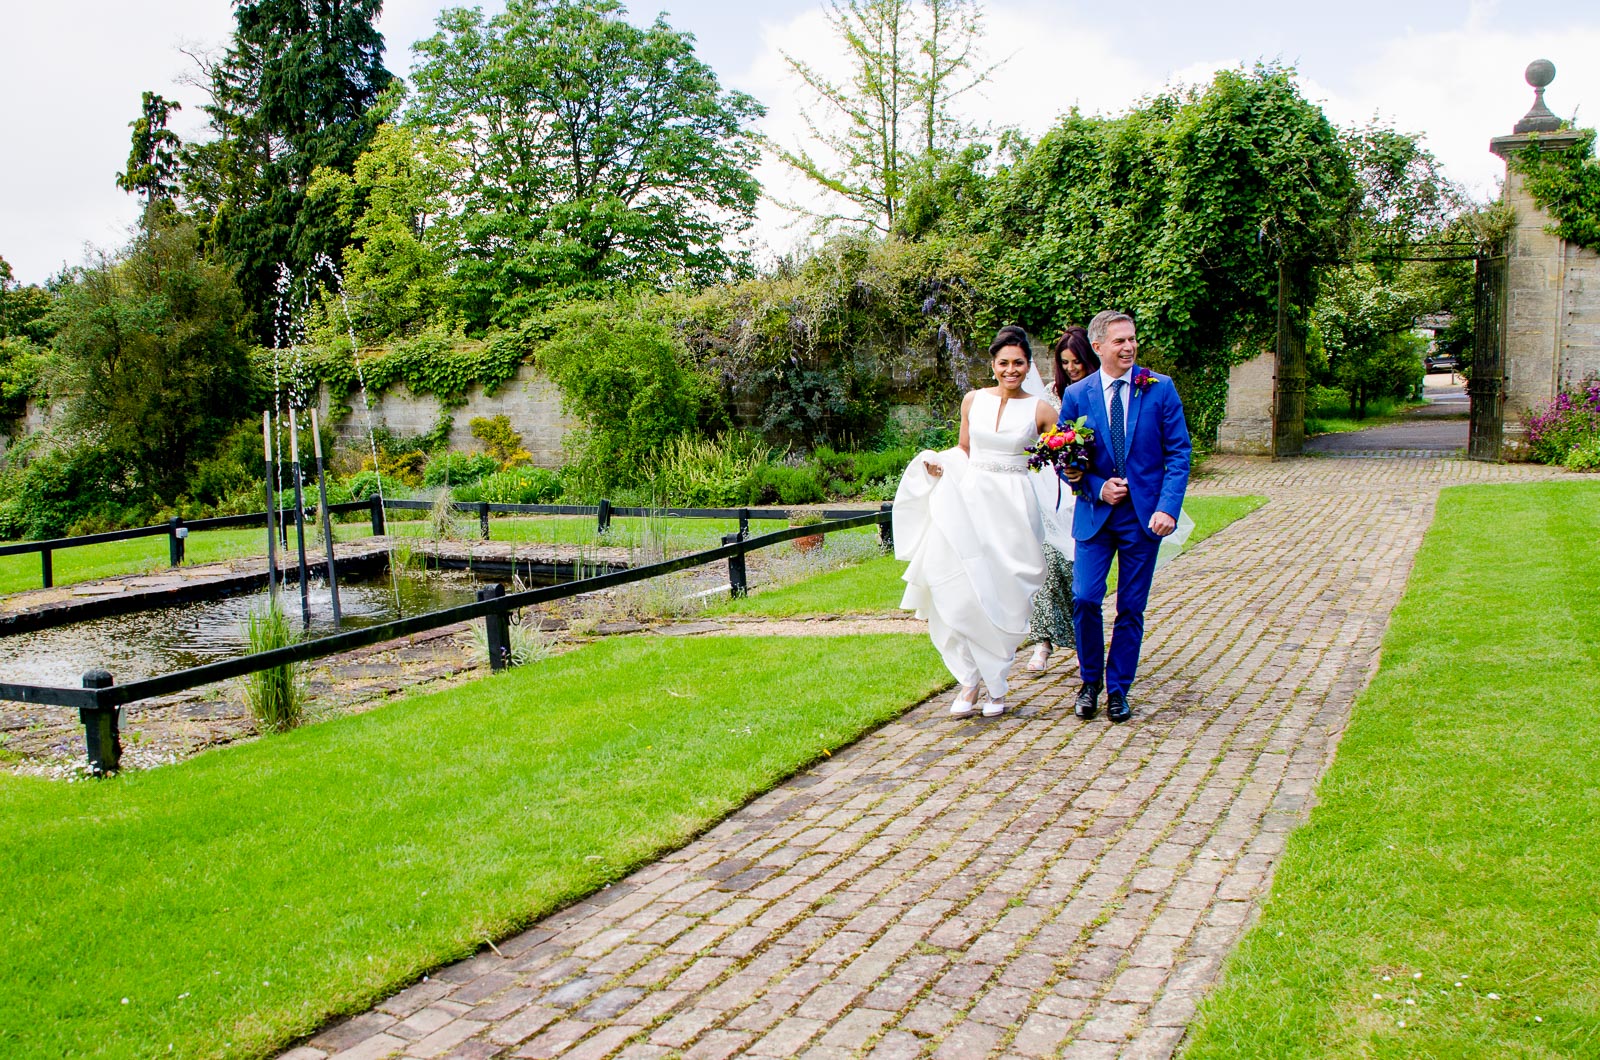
(1032, 886)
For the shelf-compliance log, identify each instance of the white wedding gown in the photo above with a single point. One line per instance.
(972, 538)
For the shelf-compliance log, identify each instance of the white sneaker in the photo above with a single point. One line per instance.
(966, 703)
(1040, 659)
(993, 708)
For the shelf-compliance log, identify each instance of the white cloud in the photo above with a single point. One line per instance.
(71, 80)
(1460, 87)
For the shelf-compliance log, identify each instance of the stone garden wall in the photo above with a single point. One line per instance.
(530, 401)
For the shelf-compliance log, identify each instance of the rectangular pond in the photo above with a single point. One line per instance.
(148, 643)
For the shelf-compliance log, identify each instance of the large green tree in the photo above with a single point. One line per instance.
(156, 362)
(296, 90)
(599, 153)
(1180, 213)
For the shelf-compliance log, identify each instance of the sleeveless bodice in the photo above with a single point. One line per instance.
(1001, 446)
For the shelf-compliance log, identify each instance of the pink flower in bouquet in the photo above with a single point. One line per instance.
(1056, 441)
(1071, 436)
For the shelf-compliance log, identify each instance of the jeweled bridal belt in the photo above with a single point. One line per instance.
(990, 465)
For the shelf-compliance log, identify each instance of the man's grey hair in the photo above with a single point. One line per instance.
(1103, 320)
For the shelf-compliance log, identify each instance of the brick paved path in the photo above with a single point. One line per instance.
(1032, 886)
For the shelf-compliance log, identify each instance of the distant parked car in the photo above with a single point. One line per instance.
(1441, 362)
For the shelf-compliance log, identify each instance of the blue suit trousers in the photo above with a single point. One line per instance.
(1122, 537)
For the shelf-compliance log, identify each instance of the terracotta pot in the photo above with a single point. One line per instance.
(808, 542)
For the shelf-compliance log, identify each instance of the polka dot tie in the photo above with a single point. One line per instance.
(1119, 437)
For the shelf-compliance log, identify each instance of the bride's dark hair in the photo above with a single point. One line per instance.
(1010, 335)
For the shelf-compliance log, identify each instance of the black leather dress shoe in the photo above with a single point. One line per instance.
(1117, 708)
(1088, 702)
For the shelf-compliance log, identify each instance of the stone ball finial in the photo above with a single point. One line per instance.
(1540, 73)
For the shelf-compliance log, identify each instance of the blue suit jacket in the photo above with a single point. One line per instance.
(1158, 451)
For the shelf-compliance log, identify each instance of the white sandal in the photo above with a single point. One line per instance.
(1040, 659)
(993, 708)
(966, 702)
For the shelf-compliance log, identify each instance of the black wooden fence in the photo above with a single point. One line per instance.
(178, 529)
(99, 700)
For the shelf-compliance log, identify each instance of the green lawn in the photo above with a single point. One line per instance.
(72, 565)
(226, 905)
(1328, 412)
(875, 585)
(1453, 858)
(111, 558)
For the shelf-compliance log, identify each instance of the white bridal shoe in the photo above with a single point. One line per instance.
(993, 708)
(1039, 659)
(966, 703)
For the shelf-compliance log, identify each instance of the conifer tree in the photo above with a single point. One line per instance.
(297, 89)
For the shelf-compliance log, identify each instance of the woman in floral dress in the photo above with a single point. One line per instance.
(1051, 623)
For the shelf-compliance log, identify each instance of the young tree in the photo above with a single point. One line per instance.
(599, 153)
(397, 206)
(153, 156)
(1367, 326)
(950, 66)
(909, 61)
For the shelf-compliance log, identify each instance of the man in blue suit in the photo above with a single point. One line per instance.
(1138, 472)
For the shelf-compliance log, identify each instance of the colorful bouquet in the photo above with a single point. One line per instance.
(1064, 449)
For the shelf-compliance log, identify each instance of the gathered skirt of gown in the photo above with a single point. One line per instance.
(971, 539)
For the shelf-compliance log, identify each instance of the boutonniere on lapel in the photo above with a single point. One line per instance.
(1143, 379)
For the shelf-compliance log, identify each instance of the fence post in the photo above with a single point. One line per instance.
(744, 522)
(483, 519)
(102, 741)
(176, 532)
(377, 515)
(498, 626)
(737, 585)
(886, 530)
(44, 562)
(604, 517)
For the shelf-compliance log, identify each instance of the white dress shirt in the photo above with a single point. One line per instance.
(1127, 396)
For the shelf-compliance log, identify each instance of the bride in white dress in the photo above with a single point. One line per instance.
(967, 521)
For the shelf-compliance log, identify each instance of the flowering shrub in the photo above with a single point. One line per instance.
(1567, 430)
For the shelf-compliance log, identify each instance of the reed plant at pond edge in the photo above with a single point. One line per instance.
(275, 695)
(528, 643)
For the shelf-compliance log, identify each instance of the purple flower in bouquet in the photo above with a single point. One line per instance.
(1063, 449)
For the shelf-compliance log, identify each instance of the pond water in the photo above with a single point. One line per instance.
(160, 641)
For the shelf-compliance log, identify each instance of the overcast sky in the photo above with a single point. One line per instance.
(71, 73)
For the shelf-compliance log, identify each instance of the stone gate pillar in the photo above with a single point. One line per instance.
(1247, 428)
(1552, 317)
